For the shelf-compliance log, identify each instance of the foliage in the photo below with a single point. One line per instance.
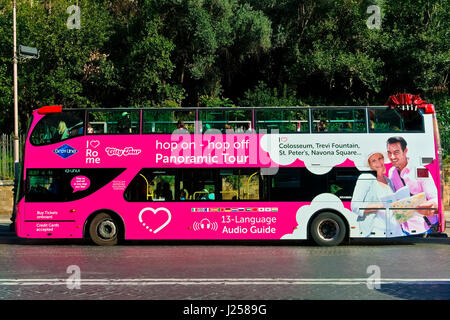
(226, 52)
(214, 102)
(263, 96)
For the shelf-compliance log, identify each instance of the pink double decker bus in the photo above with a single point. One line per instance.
(322, 173)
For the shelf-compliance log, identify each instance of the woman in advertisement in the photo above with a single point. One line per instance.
(373, 219)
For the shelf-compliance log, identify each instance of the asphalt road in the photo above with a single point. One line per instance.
(407, 268)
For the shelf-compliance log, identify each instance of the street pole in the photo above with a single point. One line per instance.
(16, 110)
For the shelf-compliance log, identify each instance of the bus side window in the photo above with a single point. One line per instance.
(197, 185)
(168, 121)
(342, 181)
(213, 121)
(274, 120)
(114, 121)
(239, 184)
(55, 185)
(218, 121)
(238, 121)
(412, 120)
(40, 185)
(385, 120)
(339, 120)
(295, 184)
(151, 185)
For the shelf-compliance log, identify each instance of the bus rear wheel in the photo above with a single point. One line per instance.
(104, 230)
(328, 229)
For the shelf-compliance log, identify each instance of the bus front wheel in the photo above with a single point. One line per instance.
(328, 229)
(104, 230)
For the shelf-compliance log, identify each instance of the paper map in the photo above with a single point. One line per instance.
(408, 203)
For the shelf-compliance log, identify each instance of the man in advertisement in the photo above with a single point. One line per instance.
(402, 174)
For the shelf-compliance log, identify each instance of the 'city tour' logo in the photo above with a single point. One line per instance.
(128, 151)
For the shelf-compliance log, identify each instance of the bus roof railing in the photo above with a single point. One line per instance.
(51, 109)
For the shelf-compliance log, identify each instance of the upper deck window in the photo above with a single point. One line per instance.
(412, 120)
(349, 120)
(225, 121)
(280, 120)
(393, 120)
(113, 122)
(169, 121)
(57, 127)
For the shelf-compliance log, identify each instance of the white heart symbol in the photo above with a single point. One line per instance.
(94, 143)
(154, 212)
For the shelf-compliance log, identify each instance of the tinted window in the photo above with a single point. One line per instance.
(282, 120)
(395, 120)
(239, 184)
(385, 120)
(198, 185)
(342, 181)
(57, 127)
(296, 184)
(232, 121)
(152, 185)
(339, 120)
(55, 185)
(169, 121)
(113, 122)
(412, 120)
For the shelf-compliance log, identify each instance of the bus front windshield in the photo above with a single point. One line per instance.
(57, 127)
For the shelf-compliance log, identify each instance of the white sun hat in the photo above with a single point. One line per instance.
(375, 152)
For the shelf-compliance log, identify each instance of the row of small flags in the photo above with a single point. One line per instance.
(265, 209)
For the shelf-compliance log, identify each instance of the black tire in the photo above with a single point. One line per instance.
(328, 229)
(104, 230)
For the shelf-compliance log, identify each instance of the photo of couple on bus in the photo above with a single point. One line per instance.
(374, 195)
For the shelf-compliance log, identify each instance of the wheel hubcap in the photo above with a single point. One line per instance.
(328, 230)
(107, 229)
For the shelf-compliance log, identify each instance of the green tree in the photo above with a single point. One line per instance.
(73, 68)
(263, 96)
(416, 54)
(326, 49)
(149, 65)
(6, 82)
(212, 39)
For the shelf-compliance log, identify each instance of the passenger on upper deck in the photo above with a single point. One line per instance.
(124, 124)
(321, 126)
(181, 127)
(228, 129)
(90, 129)
(62, 133)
